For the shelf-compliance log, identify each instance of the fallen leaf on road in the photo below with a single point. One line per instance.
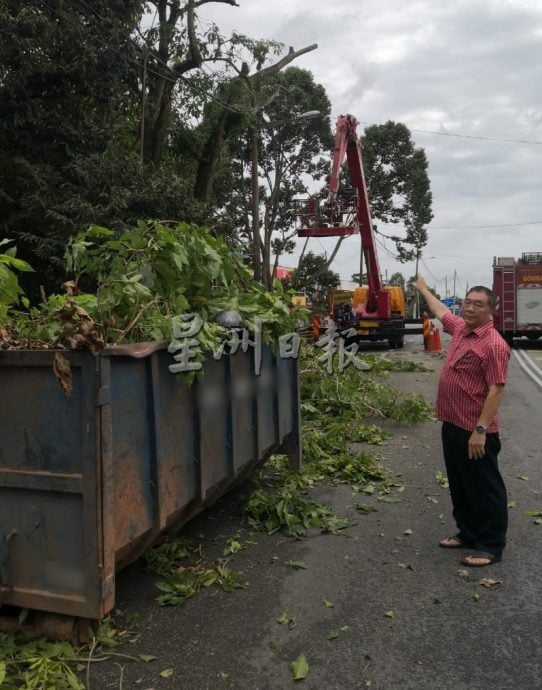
(490, 584)
(328, 604)
(476, 596)
(405, 566)
(299, 668)
(332, 634)
(463, 574)
(297, 565)
(365, 508)
(166, 673)
(390, 614)
(284, 619)
(408, 532)
(523, 478)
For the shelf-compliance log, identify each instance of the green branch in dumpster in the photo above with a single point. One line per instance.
(130, 286)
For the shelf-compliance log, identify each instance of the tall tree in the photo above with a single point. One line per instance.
(289, 150)
(62, 101)
(398, 184)
(314, 278)
(397, 279)
(176, 47)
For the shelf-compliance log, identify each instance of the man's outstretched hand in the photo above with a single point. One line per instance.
(419, 284)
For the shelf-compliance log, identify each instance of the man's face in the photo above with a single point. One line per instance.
(476, 310)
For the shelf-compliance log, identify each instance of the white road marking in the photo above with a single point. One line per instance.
(529, 367)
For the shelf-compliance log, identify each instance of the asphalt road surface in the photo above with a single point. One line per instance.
(406, 616)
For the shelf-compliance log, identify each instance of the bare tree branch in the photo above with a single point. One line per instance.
(273, 69)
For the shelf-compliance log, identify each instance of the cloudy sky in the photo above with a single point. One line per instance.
(467, 67)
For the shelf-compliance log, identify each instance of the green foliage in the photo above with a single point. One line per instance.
(35, 663)
(288, 150)
(152, 273)
(166, 557)
(287, 508)
(11, 292)
(397, 279)
(64, 102)
(185, 584)
(313, 276)
(182, 581)
(398, 184)
(333, 407)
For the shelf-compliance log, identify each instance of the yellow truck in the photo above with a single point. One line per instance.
(346, 308)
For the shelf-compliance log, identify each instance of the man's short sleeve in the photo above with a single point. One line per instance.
(495, 363)
(450, 322)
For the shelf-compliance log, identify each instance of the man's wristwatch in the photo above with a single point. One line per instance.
(481, 429)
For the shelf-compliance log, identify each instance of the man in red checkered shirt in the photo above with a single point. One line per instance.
(470, 391)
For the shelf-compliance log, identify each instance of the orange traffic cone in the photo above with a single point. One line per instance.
(426, 324)
(316, 327)
(438, 344)
(433, 342)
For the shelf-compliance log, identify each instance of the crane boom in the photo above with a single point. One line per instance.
(352, 204)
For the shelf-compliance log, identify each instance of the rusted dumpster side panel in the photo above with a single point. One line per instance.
(289, 411)
(243, 411)
(49, 524)
(176, 439)
(266, 404)
(88, 482)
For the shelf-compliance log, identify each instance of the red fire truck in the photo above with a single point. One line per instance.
(517, 285)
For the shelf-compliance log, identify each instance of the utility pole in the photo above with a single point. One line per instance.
(256, 255)
(416, 314)
(446, 286)
(142, 116)
(453, 296)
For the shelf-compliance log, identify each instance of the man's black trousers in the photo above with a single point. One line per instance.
(477, 489)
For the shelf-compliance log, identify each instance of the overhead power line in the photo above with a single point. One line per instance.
(466, 136)
(478, 227)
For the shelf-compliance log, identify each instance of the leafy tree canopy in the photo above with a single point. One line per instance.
(314, 278)
(398, 184)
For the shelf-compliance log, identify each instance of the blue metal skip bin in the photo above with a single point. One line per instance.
(88, 482)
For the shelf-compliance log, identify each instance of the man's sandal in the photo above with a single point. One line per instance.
(482, 557)
(453, 543)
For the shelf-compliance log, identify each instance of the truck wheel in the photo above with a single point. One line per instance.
(396, 343)
(533, 336)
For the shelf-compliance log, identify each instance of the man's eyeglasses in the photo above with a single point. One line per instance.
(474, 303)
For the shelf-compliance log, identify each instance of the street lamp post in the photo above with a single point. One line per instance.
(255, 184)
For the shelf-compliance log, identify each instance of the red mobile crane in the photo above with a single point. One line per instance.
(381, 314)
